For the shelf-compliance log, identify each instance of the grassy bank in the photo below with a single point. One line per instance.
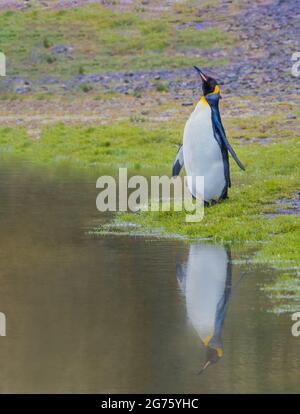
(98, 39)
(272, 173)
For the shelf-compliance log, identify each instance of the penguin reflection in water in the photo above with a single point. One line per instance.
(205, 147)
(205, 282)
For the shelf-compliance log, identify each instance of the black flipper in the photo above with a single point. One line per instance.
(220, 132)
(231, 150)
(178, 163)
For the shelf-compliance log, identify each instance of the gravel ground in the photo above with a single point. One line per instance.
(260, 65)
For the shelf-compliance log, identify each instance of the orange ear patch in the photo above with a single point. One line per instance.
(217, 89)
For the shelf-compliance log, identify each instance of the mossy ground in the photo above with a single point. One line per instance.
(102, 40)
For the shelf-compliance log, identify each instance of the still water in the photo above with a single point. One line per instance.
(126, 314)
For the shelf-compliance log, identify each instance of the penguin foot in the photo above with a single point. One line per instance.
(214, 202)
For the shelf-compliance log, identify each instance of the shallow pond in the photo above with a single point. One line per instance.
(126, 314)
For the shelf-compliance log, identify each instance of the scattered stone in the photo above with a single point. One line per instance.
(22, 89)
(269, 28)
(61, 49)
(289, 206)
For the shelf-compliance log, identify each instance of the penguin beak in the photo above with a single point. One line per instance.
(202, 76)
(204, 367)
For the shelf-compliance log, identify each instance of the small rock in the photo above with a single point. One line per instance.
(61, 49)
(22, 89)
(187, 103)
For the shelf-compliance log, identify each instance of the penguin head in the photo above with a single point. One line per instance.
(213, 355)
(209, 84)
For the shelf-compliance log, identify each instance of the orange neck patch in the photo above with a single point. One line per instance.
(203, 100)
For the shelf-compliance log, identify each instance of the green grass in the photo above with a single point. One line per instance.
(101, 40)
(116, 145)
(270, 126)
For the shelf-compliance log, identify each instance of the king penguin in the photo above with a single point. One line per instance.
(205, 281)
(205, 147)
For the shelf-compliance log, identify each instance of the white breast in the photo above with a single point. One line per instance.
(205, 285)
(202, 154)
